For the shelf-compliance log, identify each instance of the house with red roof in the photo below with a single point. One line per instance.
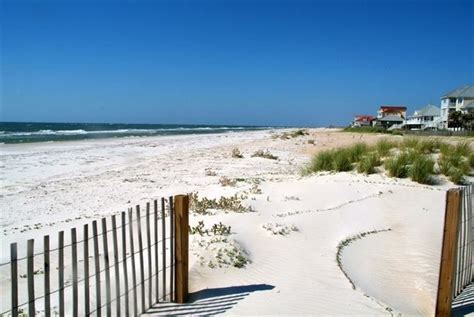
(388, 116)
(362, 121)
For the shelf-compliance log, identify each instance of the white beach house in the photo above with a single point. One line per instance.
(461, 99)
(427, 118)
(388, 116)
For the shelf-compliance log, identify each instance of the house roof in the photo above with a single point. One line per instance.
(363, 118)
(393, 108)
(461, 92)
(429, 110)
(391, 118)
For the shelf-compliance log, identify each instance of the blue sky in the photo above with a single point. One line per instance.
(305, 63)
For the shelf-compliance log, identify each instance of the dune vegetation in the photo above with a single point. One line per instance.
(420, 159)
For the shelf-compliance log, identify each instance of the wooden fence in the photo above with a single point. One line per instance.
(121, 265)
(457, 265)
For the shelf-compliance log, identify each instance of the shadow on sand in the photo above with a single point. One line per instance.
(210, 301)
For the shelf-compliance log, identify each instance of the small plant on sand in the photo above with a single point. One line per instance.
(456, 176)
(210, 172)
(356, 151)
(462, 149)
(236, 153)
(368, 163)
(323, 161)
(220, 229)
(203, 205)
(422, 170)
(279, 229)
(342, 160)
(291, 134)
(299, 132)
(384, 146)
(410, 143)
(397, 166)
(428, 146)
(454, 166)
(265, 154)
(226, 181)
(198, 229)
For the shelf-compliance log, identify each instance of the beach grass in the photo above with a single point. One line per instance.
(368, 163)
(420, 159)
(422, 170)
(384, 146)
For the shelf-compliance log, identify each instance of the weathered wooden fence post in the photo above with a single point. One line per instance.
(448, 253)
(181, 204)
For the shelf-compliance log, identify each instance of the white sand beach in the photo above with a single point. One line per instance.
(290, 236)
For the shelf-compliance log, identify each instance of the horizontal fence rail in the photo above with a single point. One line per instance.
(121, 265)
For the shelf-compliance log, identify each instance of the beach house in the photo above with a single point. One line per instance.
(362, 121)
(388, 116)
(427, 118)
(460, 99)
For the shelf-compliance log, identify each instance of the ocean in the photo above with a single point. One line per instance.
(26, 132)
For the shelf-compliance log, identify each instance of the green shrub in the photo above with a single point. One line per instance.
(428, 146)
(397, 166)
(367, 130)
(323, 161)
(368, 163)
(450, 161)
(456, 176)
(471, 160)
(342, 160)
(265, 154)
(410, 142)
(462, 149)
(446, 148)
(356, 151)
(422, 169)
(384, 146)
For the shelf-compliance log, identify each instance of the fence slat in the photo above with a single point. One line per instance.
(448, 253)
(98, 300)
(182, 243)
(75, 304)
(140, 253)
(157, 279)
(108, 297)
(172, 260)
(61, 272)
(132, 252)
(148, 239)
(31, 277)
(116, 266)
(124, 262)
(14, 278)
(47, 280)
(163, 243)
(87, 306)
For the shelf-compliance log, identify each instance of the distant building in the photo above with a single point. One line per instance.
(427, 118)
(388, 116)
(461, 99)
(362, 121)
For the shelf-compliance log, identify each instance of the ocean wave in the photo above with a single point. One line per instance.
(118, 131)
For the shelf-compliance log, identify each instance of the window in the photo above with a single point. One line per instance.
(452, 100)
(459, 100)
